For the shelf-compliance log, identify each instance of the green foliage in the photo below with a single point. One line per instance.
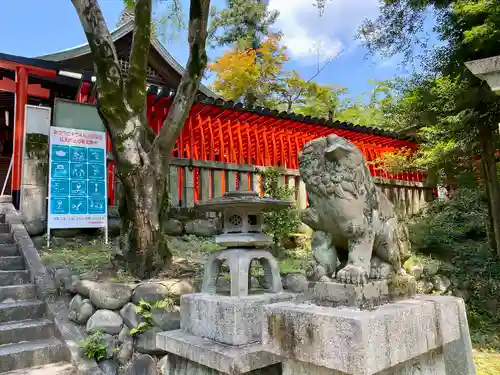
(243, 21)
(445, 223)
(145, 310)
(281, 223)
(93, 346)
(453, 234)
(445, 103)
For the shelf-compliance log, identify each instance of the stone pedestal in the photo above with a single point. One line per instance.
(408, 337)
(335, 294)
(222, 335)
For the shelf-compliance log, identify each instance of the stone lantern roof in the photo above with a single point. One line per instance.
(248, 200)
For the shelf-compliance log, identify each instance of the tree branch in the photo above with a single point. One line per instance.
(107, 68)
(136, 81)
(188, 88)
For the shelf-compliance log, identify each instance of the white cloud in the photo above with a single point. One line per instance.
(306, 32)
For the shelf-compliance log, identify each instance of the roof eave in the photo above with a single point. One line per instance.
(117, 34)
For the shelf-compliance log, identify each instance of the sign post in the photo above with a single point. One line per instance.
(77, 180)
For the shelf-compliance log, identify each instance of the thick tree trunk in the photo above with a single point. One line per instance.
(142, 239)
(486, 137)
(142, 160)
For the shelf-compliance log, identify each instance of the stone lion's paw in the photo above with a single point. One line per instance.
(352, 274)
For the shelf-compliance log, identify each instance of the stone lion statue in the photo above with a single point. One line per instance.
(354, 223)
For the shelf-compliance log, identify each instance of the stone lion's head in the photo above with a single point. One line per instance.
(333, 165)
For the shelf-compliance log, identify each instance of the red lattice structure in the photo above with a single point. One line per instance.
(226, 132)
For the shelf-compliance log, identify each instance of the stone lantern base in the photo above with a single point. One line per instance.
(427, 335)
(222, 335)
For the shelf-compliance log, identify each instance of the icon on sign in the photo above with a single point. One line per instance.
(96, 154)
(78, 188)
(78, 154)
(78, 206)
(59, 170)
(96, 206)
(59, 206)
(78, 170)
(59, 188)
(96, 171)
(96, 189)
(60, 153)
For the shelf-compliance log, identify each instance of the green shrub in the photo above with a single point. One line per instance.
(283, 223)
(93, 346)
(144, 310)
(462, 217)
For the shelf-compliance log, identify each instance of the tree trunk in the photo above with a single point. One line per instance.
(486, 137)
(142, 239)
(489, 225)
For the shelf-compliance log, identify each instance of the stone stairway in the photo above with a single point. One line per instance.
(28, 344)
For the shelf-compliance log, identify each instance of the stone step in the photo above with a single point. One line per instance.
(6, 238)
(14, 278)
(21, 310)
(4, 228)
(60, 368)
(9, 250)
(26, 330)
(32, 353)
(12, 263)
(13, 293)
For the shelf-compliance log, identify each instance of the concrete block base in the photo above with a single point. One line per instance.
(364, 342)
(227, 320)
(428, 364)
(206, 357)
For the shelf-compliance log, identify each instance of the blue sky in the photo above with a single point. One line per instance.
(36, 27)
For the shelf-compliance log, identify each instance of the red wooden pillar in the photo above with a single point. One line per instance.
(19, 115)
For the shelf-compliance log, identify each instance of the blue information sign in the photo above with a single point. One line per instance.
(77, 184)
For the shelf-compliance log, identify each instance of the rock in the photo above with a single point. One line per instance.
(108, 367)
(80, 309)
(35, 227)
(146, 342)
(66, 279)
(84, 287)
(163, 366)
(110, 296)
(39, 242)
(430, 269)
(201, 227)
(126, 350)
(177, 287)
(167, 320)
(315, 272)
(124, 333)
(109, 341)
(130, 316)
(173, 227)
(424, 286)
(324, 279)
(109, 321)
(416, 270)
(142, 365)
(151, 292)
(296, 282)
(441, 283)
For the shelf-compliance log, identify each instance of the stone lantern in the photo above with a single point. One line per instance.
(243, 239)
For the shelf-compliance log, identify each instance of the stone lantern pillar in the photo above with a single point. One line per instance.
(221, 334)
